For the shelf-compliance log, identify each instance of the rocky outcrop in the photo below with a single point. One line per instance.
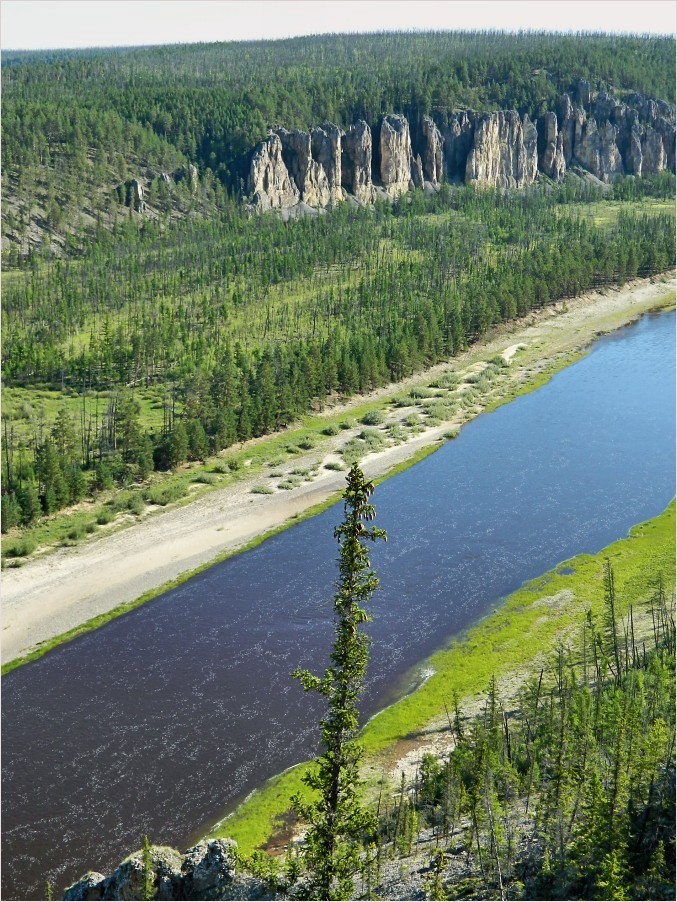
(326, 149)
(308, 175)
(356, 162)
(567, 128)
(207, 871)
(270, 186)
(551, 160)
(432, 157)
(416, 169)
(458, 138)
(596, 149)
(396, 156)
(300, 172)
(504, 153)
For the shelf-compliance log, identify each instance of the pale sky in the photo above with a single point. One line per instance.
(39, 24)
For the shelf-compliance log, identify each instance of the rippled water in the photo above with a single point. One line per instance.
(161, 721)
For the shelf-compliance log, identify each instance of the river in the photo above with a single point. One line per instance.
(163, 720)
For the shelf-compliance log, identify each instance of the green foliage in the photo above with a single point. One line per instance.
(164, 494)
(373, 418)
(148, 870)
(337, 820)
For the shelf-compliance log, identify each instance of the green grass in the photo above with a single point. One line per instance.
(513, 637)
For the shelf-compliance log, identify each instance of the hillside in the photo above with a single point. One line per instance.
(78, 124)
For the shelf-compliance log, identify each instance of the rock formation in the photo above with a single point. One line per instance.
(504, 153)
(567, 128)
(356, 162)
(270, 186)
(207, 871)
(416, 169)
(432, 157)
(458, 137)
(308, 175)
(395, 147)
(596, 149)
(552, 159)
(599, 133)
(326, 148)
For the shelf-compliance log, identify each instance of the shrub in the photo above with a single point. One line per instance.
(104, 516)
(164, 494)
(373, 418)
(331, 429)
(307, 443)
(334, 465)
(135, 504)
(420, 392)
(262, 490)
(206, 478)
(21, 547)
(412, 420)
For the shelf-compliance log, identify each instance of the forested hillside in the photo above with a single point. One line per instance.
(144, 328)
(77, 124)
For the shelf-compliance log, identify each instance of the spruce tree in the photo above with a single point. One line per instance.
(337, 821)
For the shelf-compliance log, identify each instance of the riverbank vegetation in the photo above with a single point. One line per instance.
(556, 630)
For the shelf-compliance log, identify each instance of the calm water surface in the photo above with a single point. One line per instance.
(163, 720)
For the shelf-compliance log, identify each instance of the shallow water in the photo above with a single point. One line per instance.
(160, 722)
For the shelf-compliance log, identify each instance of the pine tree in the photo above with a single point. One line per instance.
(337, 821)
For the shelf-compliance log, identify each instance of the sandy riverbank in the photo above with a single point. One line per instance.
(52, 594)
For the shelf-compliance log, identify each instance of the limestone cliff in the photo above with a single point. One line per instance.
(396, 156)
(596, 149)
(308, 175)
(356, 162)
(326, 149)
(432, 157)
(551, 161)
(599, 133)
(270, 186)
(458, 137)
(504, 153)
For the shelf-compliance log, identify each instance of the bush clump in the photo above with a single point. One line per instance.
(164, 494)
(373, 418)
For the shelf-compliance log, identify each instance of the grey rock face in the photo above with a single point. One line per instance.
(552, 159)
(308, 175)
(395, 146)
(326, 149)
(416, 169)
(654, 156)
(567, 127)
(270, 185)
(433, 156)
(583, 92)
(597, 151)
(356, 162)
(458, 137)
(504, 153)
(207, 871)
(89, 887)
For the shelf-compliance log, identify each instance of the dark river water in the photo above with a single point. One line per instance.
(163, 720)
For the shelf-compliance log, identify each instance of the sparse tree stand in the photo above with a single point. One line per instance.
(337, 821)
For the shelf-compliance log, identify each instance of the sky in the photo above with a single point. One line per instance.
(42, 24)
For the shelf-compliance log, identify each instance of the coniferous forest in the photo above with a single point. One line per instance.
(139, 337)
